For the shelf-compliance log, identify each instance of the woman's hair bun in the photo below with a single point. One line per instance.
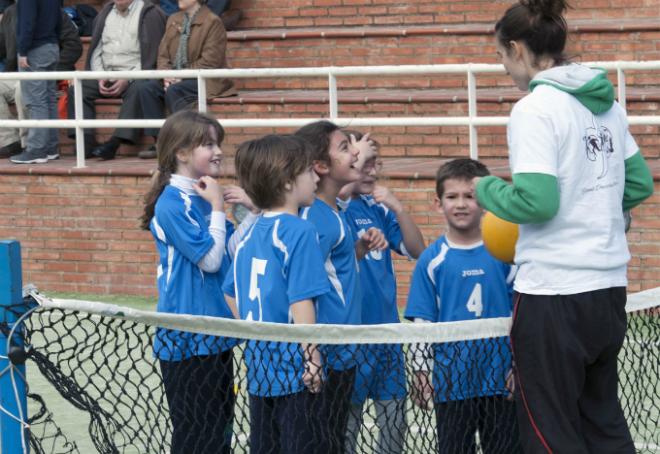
(546, 8)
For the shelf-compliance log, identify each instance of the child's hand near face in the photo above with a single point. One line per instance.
(210, 190)
(236, 195)
(383, 195)
(366, 147)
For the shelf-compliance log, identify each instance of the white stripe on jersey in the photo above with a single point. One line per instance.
(278, 243)
(170, 259)
(334, 280)
(188, 203)
(342, 234)
(437, 260)
(160, 234)
(238, 249)
(305, 213)
(433, 264)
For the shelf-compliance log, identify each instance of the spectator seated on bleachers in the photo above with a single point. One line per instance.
(125, 38)
(221, 8)
(194, 38)
(70, 51)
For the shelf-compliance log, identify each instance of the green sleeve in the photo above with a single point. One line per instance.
(639, 181)
(532, 198)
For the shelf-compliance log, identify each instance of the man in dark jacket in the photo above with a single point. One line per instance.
(70, 51)
(125, 38)
(38, 24)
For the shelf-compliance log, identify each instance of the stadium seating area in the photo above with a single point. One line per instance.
(108, 254)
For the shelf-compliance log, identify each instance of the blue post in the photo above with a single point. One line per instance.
(10, 294)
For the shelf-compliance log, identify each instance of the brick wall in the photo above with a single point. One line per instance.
(80, 233)
(323, 13)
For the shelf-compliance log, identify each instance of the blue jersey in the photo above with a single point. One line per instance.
(277, 264)
(376, 271)
(381, 374)
(180, 228)
(342, 304)
(449, 284)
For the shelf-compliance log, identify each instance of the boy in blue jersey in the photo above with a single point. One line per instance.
(456, 279)
(334, 161)
(381, 373)
(277, 274)
(184, 210)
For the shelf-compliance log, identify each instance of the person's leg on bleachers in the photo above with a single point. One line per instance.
(181, 96)
(20, 113)
(130, 110)
(152, 102)
(90, 93)
(38, 97)
(9, 137)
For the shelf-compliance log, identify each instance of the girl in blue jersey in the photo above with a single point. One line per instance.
(334, 161)
(456, 279)
(276, 276)
(184, 211)
(574, 168)
(381, 372)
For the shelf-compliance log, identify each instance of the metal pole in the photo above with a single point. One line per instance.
(332, 96)
(12, 388)
(78, 115)
(472, 114)
(201, 94)
(621, 87)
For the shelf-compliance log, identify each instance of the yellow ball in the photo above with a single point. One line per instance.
(499, 237)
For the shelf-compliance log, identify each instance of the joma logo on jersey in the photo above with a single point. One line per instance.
(479, 272)
(363, 221)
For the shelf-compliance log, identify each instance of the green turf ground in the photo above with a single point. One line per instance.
(641, 372)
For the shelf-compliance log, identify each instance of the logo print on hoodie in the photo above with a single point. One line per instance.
(599, 146)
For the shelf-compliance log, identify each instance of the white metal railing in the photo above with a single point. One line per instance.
(472, 121)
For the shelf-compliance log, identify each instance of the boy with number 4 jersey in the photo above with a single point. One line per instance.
(457, 279)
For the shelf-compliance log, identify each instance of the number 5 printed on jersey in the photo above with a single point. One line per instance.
(258, 268)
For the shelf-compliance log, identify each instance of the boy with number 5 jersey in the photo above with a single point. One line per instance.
(276, 276)
(457, 279)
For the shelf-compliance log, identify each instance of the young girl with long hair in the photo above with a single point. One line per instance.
(184, 210)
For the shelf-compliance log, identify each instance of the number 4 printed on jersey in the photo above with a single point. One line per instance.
(474, 303)
(258, 268)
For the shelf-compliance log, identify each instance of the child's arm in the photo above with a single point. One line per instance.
(209, 189)
(231, 302)
(422, 394)
(372, 239)
(236, 195)
(412, 236)
(303, 312)
(422, 307)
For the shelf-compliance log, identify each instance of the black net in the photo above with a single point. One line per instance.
(101, 383)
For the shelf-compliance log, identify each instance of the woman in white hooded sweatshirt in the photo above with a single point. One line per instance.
(575, 168)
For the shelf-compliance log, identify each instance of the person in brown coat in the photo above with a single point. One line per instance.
(195, 38)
